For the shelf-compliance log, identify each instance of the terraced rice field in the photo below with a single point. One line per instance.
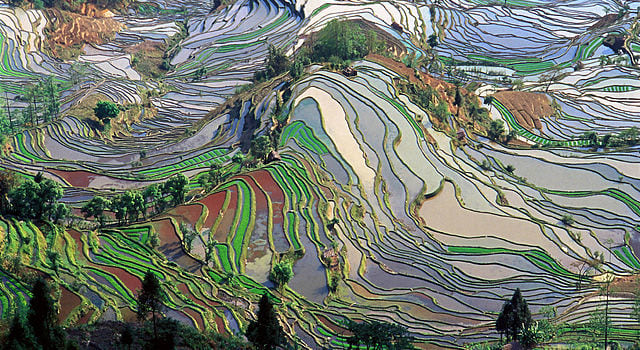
(432, 233)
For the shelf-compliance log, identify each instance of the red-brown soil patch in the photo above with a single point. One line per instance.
(171, 246)
(85, 318)
(333, 327)
(77, 236)
(220, 325)
(195, 316)
(222, 232)
(261, 221)
(130, 281)
(185, 290)
(274, 192)
(189, 213)
(75, 178)
(526, 107)
(423, 79)
(68, 302)
(73, 29)
(214, 203)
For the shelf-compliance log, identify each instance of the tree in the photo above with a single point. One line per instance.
(8, 181)
(514, 318)
(96, 207)
(150, 299)
(153, 198)
(281, 274)
(442, 111)
(433, 40)
(261, 146)
(37, 199)
(20, 336)
(342, 39)
(126, 337)
(277, 62)
(106, 110)
(42, 315)
(567, 219)
(128, 206)
(265, 332)
(379, 335)
(496, 130)
(176, 187)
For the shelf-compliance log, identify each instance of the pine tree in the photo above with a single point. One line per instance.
(265, 333)
(514, 318)
(150, 300)
(42, 315)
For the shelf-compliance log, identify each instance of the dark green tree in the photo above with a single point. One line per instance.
(106, 110)
(20, 336)
(343, 39)
(281, 274)
(126, 337)
(265, 332)
(37, 200)
(496, 130)
(41, 316)
(153, 198)
(261, 146)
(277, 62)
(96, 207)
(176, 187)
(514, 318)
(150, 299)
(379, 335)
(8, 181)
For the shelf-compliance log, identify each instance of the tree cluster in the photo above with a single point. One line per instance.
(628, 137)
(132, 204)
(379, 335)
(68, 5)
(341, 41)
(37, 329)
(31, 199)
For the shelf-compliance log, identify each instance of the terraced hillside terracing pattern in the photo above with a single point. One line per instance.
(387, 210)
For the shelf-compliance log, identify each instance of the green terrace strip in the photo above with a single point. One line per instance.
(5, 67)
(24, 154)
(304, 136)
(536, 257)
(115, 285)
(243, 222)
(283, 18)
(12, 293)
(202, 160)
(223, 255)
(316, 11)
(400, 109)
(629, 201)
(513, 124)
(627, 257)
(292, 194)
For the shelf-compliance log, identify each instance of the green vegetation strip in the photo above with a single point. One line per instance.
(304, 136)
(513, 124)
(536, 257)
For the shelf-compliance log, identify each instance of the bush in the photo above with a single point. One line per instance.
(106, 110)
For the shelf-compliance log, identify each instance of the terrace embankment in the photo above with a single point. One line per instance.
(70, 31)
(527, 107)
(445, 92)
